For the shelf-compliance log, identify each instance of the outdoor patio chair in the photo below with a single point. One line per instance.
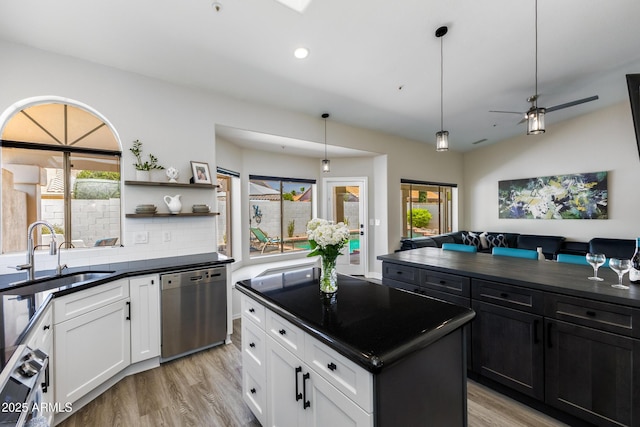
(264, 239)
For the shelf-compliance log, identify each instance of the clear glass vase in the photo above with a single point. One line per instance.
(328, 276)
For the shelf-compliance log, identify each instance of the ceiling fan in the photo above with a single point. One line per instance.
(534, 116)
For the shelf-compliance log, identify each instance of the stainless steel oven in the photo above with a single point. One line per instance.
(194, 310)
(24, 379)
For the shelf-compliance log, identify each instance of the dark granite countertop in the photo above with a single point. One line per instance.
(22, 302)
(371, 324)
(561, 278)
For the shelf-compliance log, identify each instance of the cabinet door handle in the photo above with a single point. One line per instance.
(591, 313)
(398, 272)
(305, 402)
(282, 332)
(549, 342)
(504, 295)
(129, 309)
(253, 391)
(45, 327)
(252, 310)
(332, 366)
(298, 394)
(45, 384)
(252, 345)
(443, 282)
(536, 339)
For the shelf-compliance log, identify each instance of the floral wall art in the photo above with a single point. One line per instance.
(576, 196)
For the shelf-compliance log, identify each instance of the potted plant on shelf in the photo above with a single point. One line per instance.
(143, 169)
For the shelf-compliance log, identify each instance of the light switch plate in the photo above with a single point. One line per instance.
(141, 237)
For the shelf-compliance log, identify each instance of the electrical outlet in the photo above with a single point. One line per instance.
(141, 237)
(166, 236)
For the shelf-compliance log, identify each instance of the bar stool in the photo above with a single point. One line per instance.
(459, 247)
(514, 252)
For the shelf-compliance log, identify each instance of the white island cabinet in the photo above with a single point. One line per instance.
(92, 338)
(285, 384)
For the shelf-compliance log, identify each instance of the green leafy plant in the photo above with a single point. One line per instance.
(56, 227)
(136, 149)
(419, 217)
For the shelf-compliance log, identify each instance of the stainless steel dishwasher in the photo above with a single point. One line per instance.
(194, 310)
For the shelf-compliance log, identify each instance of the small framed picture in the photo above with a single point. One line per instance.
(201, 174)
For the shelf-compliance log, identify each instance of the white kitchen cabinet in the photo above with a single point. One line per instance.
(41, 338)
(145, 317)
(299, 396)
(91, 348)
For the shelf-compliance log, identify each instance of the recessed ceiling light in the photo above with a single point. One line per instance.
(301, 52)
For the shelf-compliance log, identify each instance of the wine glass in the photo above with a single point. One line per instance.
(620, 266)
(596, 260)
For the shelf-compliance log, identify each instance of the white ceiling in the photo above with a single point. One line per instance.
(361, 53)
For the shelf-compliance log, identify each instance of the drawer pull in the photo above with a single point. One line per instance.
(253, 391)
(252, 310)
(591, 313)
(332, 366)
(252, 345)
(443, 282)
(298, 394)
(398, 272)
(282, 332)
(45, 327)
(305, 402)
(504, 295)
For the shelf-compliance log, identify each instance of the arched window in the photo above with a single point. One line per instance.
(61, 164)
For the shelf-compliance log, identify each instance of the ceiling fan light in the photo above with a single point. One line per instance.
(535, 121)
(442, 140)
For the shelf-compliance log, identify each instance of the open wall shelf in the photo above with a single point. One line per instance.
(172, 184)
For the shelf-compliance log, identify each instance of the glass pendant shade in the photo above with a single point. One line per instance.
(326, 166)
(442, 140)
(535, 121)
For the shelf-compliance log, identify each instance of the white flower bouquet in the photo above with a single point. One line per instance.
(327, 240)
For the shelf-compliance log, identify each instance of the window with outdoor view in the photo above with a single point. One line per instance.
(280, 211)
(61, 164)
(426, 208)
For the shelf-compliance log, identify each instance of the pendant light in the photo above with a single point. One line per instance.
(535, 115)
(442, 137)
(326, 166)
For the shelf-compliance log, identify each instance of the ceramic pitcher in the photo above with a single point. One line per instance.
(173, 203)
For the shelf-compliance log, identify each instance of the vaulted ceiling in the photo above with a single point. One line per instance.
(372, 63)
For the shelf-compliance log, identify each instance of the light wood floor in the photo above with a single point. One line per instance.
(204, 390)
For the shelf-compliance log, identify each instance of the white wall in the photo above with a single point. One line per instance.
(177, 124)
(601, 141)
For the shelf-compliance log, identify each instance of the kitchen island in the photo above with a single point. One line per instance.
(368, 355)
(542, 329)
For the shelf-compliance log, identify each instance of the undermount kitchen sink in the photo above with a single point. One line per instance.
(53, 282)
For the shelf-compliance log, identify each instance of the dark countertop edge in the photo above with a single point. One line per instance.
(569, 291)
(364, 360)
(130, 272)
